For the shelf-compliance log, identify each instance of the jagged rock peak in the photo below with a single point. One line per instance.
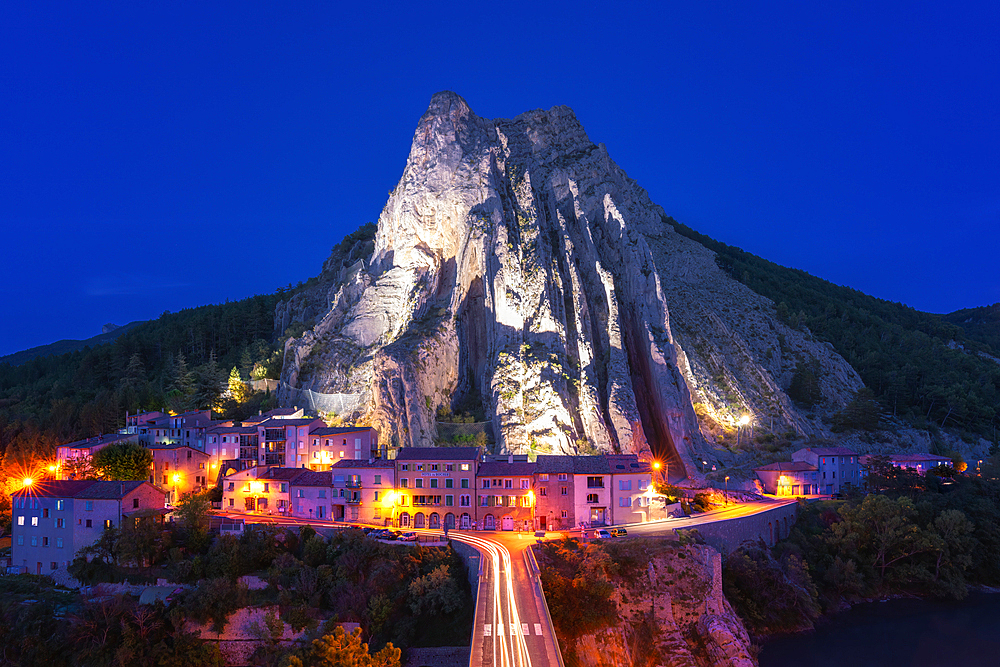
(512, 275)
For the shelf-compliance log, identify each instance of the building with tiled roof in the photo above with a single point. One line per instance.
(72, 455)
(329, 444)
(180, 470)
(52, 520)
(837, 467)
(920, 462)
(789, 478)
(364, 491)
(427, 477)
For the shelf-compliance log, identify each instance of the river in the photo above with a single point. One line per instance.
(904, 633)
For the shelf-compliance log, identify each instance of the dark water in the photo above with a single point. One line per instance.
(908, 633)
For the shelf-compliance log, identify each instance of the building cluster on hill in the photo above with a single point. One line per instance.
(284, 463)
(191, 451)
(831, 470)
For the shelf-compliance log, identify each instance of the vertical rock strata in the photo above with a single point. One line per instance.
(511, 265)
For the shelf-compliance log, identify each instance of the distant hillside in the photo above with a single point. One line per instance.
(980, 324)
(64, 346)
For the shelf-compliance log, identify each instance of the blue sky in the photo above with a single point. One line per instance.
(160, 156)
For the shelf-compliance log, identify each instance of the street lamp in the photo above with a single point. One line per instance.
(27, 481)
(727, 490)
(531, 507)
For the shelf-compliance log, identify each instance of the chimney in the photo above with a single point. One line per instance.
(510, 459)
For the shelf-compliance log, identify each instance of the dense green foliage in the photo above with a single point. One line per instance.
(932, 535)
(44, 625)
(122, 461)
(339, 649)
(179, 361)
(911, 360)
(406, 595)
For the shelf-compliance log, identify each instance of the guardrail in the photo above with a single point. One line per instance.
(535, 573)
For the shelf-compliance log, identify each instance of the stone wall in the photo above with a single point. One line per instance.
(772, 525)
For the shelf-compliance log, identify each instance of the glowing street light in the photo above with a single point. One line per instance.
(27, 481)
(727, 490)
(744, 420)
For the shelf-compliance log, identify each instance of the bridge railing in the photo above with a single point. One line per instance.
(536, 579)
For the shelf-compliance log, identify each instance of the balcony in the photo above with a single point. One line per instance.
(352, 484)
(353, 499)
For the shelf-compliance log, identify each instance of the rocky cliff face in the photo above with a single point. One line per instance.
(516, 264)
(671, 612)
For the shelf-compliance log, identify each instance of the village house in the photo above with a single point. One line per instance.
(310, 495)
(506, 495)
(188, 428)
(555, 508)
(837, 467)
(70, 456)
(428, 479)
(52, 520)
(330, 444)
(789, 478)
(363, 491)
(259, 490)
(631, 479)
(920, 463)
(180, 470)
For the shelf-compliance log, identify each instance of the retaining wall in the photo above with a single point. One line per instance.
(771, 525)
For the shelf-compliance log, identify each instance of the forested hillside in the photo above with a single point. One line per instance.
(927, 369)
(178, 361)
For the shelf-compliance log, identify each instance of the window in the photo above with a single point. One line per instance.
(497, 501)
(34, 521)
(624, 485)
(449, 483)
(562, 477)
(301, 494)
(341, 453)
(486, 483)
(378, 479)
(508, 484)
(524, 484)
(404, 501)
(45, 541)
(20, 540)
(60, 524)
(449, 467)
(434, 483)
(483, 501)
(45, 513)
(107, 523)
(449, 501)
(135, 503)
(90, 523)
(20, 520)
(565, 514)
(420, 467)
(231, 503)
(284, 487)
(465, 483)
(463, 501)
(625, 502)
(595, 482)
(232, 485)
(59, 543)
(60, 504)
(88, 505)
(511, 501)
(592, 498)
(542, 491)
(463, 466)
(404, 466)
(404, 483)
(34, 541)
(418, 483)
(322, 494)
(562, 491)
(267, 487)
(643, 483)
(434, 466)
(544, 477)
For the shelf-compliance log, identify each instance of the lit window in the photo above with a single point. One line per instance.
(34, 521)
(463, 466)
(544, 477)
(20, 520)
(59, 504)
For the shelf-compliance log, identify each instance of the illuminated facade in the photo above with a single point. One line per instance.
(435, 486)
(505, 494)
(363, 491)
(789, 478)
(179, 470)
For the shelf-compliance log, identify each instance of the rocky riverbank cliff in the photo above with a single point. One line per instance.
(666, 606)
(517, 268)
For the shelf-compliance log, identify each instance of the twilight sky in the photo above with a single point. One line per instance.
(156, 156)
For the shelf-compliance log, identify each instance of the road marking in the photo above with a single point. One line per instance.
(538, 629)
(488, 630)
(524, 629)
(513, 629)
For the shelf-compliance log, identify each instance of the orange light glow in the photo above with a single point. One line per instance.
(52, 468)
(27, 481)
(531, 498)
(656, 465)
(177, 479)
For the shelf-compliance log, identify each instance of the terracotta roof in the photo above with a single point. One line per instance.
(365, 463)
(502, 468)
(105, 439)
(553, 463)
(286, 474)
(337, 430)
(831, 451)
(84, 488)
(789, 466)
(313, 478)
(437, 453)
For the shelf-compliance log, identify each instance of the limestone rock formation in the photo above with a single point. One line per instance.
(516, 265)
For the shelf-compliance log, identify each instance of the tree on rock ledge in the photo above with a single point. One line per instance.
(340, 649)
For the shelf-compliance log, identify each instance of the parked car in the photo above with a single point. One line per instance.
(602, 534)
(618, 532)
(408, 537)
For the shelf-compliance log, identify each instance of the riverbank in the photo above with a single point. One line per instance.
(901, 632)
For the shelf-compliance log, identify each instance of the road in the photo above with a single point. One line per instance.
(512, 627)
